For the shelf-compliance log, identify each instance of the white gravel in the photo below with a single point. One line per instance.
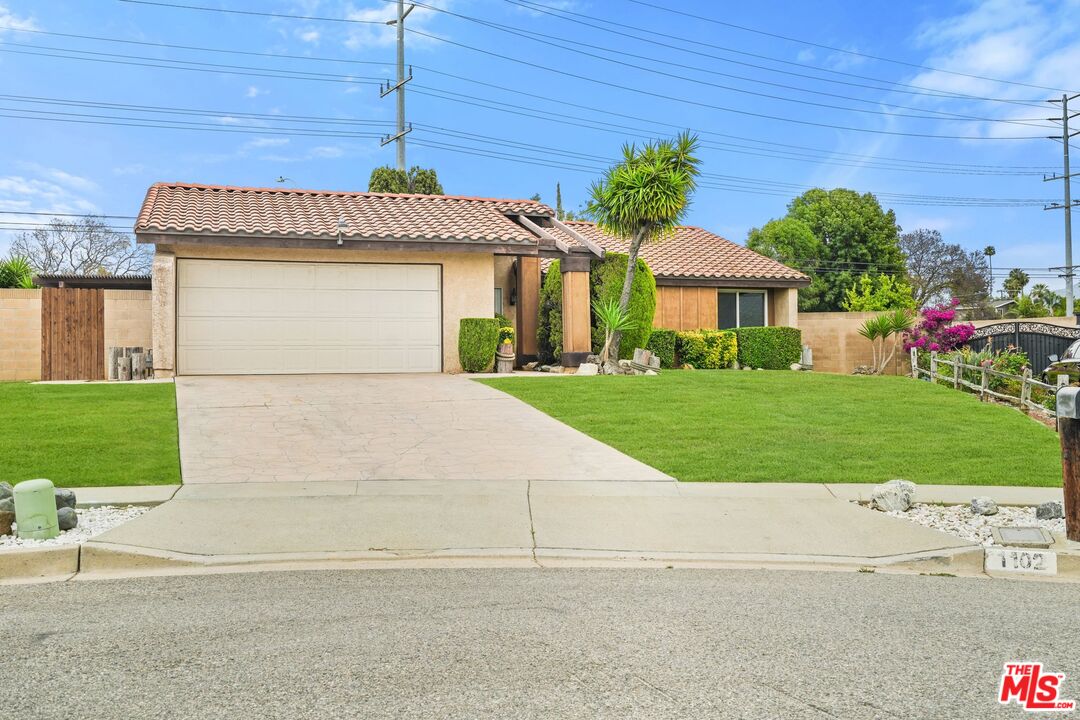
(92, 521)
(958, 520)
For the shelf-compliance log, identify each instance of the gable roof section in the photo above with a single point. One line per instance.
(278, 212)
(694, 253)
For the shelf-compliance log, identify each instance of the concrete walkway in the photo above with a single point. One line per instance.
(253, 523)
(307, 428)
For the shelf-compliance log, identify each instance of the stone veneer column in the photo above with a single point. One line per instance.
(576, 315)
(163, 314)
(528, 307)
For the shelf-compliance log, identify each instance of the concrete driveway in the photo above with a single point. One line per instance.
(307, 428)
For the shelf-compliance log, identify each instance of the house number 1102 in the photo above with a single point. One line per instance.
(1021, 561)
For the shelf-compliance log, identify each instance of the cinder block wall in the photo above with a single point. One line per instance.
(838, 347)
(20, 334)
(127, 320)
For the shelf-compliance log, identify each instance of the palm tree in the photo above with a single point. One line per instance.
(990, 252)
(1016, 282)
(643, 198)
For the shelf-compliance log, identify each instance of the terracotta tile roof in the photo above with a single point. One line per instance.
(695, 253)
(225, 210)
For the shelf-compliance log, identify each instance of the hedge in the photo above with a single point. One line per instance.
(662, 344)
(606, 279)
(478, 339)
(549, 319)
(771, 348)
(706, 349)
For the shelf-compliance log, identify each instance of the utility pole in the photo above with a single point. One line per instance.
(399, 88)
(1065, 136)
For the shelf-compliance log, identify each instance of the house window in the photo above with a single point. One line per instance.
(498, 301)
(742, 308)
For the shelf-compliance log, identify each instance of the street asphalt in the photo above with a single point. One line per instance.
(501, 643)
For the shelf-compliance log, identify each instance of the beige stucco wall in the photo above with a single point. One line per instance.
(468, 282)
(20, 334)
(127, 320)
(836, 343)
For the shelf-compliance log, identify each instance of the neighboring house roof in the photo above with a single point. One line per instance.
(107, 282)
(695, 253)
(274, 212)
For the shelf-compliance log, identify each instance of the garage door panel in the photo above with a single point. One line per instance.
(244, 317)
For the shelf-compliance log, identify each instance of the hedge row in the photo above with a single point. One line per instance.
(549, 317)
(478, 339)
(771, 348)
(662, 344)
(706, 349)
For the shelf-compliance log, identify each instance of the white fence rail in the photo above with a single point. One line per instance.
(982, 388)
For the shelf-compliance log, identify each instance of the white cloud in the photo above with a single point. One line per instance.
(40, 191)
(229, 120)
(309, 35)
(10, 21)
(254, 91)
(129, 169)
(372, 30)
(327, 151)
(264, 142)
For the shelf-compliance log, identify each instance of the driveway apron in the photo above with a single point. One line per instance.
(308, 428)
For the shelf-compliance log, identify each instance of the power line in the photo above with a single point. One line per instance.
(841, 50)
(60, 214)
(253, 12)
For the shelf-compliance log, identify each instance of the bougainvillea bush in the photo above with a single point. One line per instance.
(936, 332)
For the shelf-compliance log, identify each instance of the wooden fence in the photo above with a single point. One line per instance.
(1025, 382)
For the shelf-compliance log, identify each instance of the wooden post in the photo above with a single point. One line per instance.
(123, 369)
(114, 353)
(933, 366)
(915, 363)
(1069, 424)
(138, 366)
(1025, 390)
(956, 373)
(985, 384)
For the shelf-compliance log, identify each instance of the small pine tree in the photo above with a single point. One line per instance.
(558, 202)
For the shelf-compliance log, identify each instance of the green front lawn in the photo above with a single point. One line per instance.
(784, 426)
(86, 435)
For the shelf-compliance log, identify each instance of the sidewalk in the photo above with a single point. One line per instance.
(251, 524)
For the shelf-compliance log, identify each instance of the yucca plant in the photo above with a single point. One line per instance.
(612, 318)
(879, 329)
(16, 272)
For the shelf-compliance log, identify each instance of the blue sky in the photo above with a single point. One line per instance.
(551, 103)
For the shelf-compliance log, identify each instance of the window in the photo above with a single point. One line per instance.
(498, 301)
(741, 309)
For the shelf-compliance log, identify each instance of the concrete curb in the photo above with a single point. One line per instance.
(144, 495)
(39, 564)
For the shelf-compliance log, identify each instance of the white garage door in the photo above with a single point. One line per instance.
(237, 317)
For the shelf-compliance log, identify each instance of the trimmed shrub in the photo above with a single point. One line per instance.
(478, 338)
(549, 319)
(662, 344)
(706, 349)
(606, 278)
(771, 348)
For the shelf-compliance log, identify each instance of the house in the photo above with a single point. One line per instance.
(272, 280)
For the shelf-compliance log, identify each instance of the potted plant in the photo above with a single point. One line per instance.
(504, 354)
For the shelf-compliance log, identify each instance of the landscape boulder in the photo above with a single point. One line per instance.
(64, 498)
(7, 519)
(6, 490)
(588, 368)
(983, 505)
(893, 496)
(7, 504)
(1049, 511)
(66, 518)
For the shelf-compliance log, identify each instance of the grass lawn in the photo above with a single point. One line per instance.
(783, 426)
(89, 435)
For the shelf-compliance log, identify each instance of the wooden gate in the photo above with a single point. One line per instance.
(72, 334)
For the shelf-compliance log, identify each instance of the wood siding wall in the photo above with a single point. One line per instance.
(72, 334)
(685, 308)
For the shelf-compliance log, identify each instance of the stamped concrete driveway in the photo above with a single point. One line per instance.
(379, 427)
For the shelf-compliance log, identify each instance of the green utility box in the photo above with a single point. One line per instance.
(35, 509)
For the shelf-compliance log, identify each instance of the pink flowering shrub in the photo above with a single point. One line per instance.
(936, 332)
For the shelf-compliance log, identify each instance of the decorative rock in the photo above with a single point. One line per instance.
(64, 498)
(687, 366)
(5, 490)
(530, 366)
(610, 368)
(7, 519)
(543, 368)
(593, 358)
(66, 518)
(983, 505)
(7, 505)
(651, 372)
(796, 366)
(1049, 511)
(893, 496)
(862, 370)
(588, 369)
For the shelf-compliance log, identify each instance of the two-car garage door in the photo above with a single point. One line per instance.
(249, 317)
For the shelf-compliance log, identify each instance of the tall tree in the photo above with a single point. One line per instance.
(990, 251)
(418, 180)
(643, 198)
(83, 246)
(1016, 281)
(792, 242)
(969, 279)
(558, 202)
(855, 235)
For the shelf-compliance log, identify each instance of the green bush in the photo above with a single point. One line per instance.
(478, 338)
(706, 349)
(549, 320)
(606, 278)
(771, 348)
(662, 344)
